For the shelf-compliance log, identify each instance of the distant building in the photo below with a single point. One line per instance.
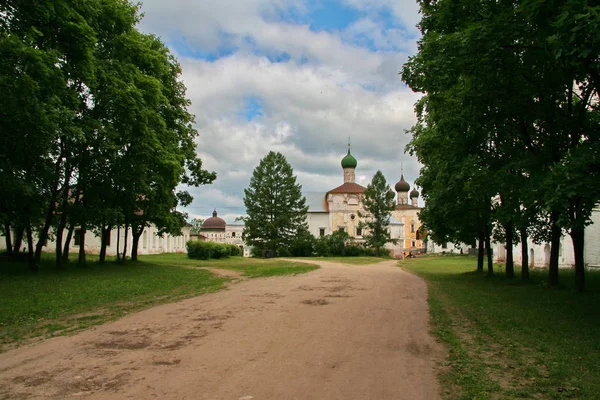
(215, 229)
(150, 242)
(338, 210)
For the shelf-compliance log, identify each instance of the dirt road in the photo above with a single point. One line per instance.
(340, 332)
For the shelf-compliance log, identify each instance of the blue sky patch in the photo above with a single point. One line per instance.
(253, 108)
(324, 15)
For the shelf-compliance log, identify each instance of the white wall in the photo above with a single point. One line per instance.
(149, 243)
(316, 221)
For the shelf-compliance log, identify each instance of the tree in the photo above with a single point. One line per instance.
(95, 128)
(196, 225)
(275, 206)
(513, 84)
(378, 200)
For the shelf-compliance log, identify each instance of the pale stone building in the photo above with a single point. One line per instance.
(215, 229)
(150, 242)
(338, 210)
(539, 254)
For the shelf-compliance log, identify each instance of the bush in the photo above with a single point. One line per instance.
(234, 250)
(204, 250)
(303, 244)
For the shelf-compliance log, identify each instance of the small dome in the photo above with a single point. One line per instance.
(349, 161)
(414, 194)
(402, 185)
(214, 223)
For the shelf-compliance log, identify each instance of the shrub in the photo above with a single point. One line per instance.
(204, 250)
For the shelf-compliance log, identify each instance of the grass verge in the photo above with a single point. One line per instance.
(53, 302)
(248, 267)
(509, 339)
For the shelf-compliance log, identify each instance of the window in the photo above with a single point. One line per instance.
(414, 244)
(321, 232)
(358, 232)
(232, 234)
(145, 239)
(77, 235)
(412, 227)
(445, 246)
(342, 229)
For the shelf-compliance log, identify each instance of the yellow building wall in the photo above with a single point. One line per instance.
(408, 216)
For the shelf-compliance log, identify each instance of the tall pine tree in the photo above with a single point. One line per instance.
(275, 205)
(379, 203)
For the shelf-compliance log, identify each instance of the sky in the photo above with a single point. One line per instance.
(298, 77)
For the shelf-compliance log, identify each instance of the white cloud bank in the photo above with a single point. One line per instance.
(329, 89)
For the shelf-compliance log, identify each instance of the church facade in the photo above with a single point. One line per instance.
(339, 209)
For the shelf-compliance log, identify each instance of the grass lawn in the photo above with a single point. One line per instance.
(509, 339)
(348, 260)
(52, 301)
(249, 267)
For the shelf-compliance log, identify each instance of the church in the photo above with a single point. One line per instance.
(338, 210)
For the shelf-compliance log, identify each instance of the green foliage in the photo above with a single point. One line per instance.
(275, 206)
(201, 250)
(547, 338)
(379, 203)
(196, 225)
(97, 132)
(303, 245)
(338, 244)
(507, 128)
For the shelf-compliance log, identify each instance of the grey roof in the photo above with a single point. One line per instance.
(394, 221)
(315, 201)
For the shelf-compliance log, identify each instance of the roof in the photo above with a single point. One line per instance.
(402, 185)
(349, 161)
(394, 221)
(214, 223)
(348, 188)
(316, 201)
(407, 207)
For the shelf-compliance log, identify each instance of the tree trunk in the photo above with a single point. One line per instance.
(43, 234)
(554, 248)
(67, 246)
(63, 220)
(488, 248)
(33, 265)
(136, 232)
(118, 243)
(125, 242)
(524, 255)
(81, 259)
(480, 250)
(105, 231)
(7, 237)
(19, 230)
(578, 238)
(510, 265)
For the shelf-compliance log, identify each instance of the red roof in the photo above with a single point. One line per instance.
(348, 188)
(407, 207)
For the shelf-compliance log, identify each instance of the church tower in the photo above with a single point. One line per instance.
(414, 197)
(349, 165)
(402, 187)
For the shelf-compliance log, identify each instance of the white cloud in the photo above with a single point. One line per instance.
(328, 91)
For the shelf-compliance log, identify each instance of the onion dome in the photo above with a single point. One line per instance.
(414, 194)
(402, 185)
(349, 161)
(214, 223)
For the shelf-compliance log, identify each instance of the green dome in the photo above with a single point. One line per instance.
(349, 161)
